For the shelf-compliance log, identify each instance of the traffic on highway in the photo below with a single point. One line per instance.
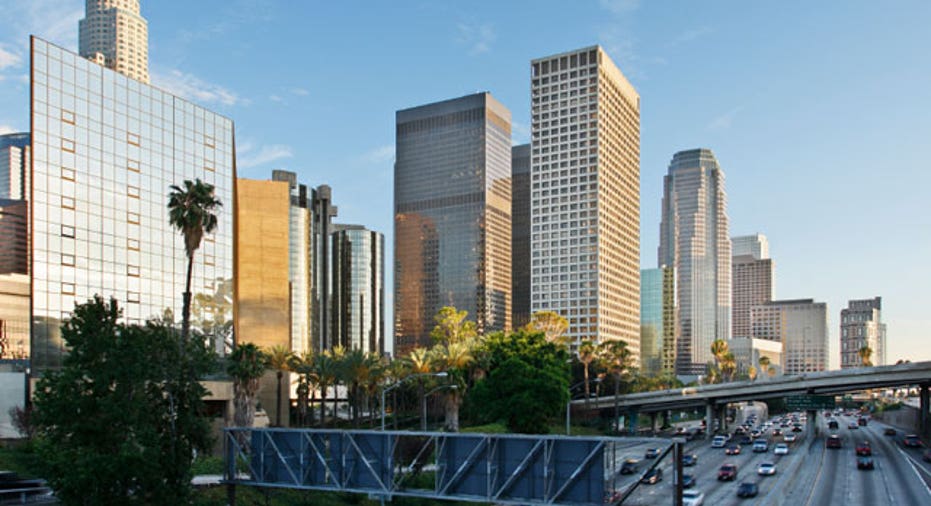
(842, 458)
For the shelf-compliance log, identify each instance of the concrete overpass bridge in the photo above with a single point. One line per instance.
(715, 398)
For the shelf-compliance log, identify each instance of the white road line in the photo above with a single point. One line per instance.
(911, 464)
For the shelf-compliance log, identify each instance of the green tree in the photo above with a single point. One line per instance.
(865, 352)
(528, 383)
(280, 359)
(452, 326)
(326, 370)
(118, 424)
(455, 358)
(728, 366)
(552, 325)
(191, 211)
(617, 361)
(586, 353)
(246, 366)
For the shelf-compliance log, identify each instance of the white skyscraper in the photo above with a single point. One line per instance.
(115, 35)
(585, 196)
(694, 240)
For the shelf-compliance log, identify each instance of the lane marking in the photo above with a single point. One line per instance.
(924, 485)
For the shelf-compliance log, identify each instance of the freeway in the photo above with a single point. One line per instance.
(810, 475)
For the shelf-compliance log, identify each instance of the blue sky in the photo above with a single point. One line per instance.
(819, 112)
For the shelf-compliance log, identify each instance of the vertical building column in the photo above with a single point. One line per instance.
(923, 410)
(653, 417)
(722, 418)
(709, 419)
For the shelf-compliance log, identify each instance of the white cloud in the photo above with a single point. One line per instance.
(52, 20)
(616, 36)
(8, 59)
(301, 92)
(265, 155)
(193, 88)
(275, 98)
(7, 129)
(725, 120)
(477, 37)
(380, 155)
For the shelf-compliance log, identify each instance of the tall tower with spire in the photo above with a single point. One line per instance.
(115, 35)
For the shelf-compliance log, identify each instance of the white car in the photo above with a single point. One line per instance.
(766, 469)
(789, 438)
(718, 442)
(692, 498)
(781, 449)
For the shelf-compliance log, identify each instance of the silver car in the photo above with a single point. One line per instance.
(692, 498)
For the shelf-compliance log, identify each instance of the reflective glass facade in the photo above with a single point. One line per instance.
(14, 166)
(358, 280)
(658, 320)
(452, 194)
(585, 196)
(694, 239)
(520, 235)
(106, 148)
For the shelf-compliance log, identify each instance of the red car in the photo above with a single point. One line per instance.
(732, 450)
(727, 472)
(833, 442)
(864, 450)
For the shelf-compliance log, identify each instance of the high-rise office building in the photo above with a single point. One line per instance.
(14, 236)
(322, 212)
(358, 288)
(585, 196)
(658, 320)
(694, 239)
(452, 216)
(106, 149)
(520, 235)
(751, 280)
(115, 35)
(15, 166)
(748, 351)
(14, 315)
(802, 328)
(861, 326)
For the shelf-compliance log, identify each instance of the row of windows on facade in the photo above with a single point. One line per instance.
(565, 76)
(564, 63)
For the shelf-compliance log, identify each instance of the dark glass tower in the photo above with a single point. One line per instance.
(520, 235)
(358, 281)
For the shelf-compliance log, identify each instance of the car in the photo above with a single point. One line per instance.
(747, 489)
(689, 459)
(781, 449)
(861, 421)
(630, 466)
(789, 438)
(688, 481)
(777, 432)
(832, 424)
(693, 498)
(833, 442)
(651, 453)
(727, 472)
(911, 441)
(739, 431)
(653, 476)
(889, 431)
(863, 449)
(746, 440)
(797, 427)
(732, 450)
(766, 469)
(760, 446)
(718, 442)
(853, 426)
(864, 463)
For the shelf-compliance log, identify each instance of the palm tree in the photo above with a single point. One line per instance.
(728, 366)
(454, 358)
(247, 363)
(303, 365)
(586, 353)
(865, 352)
(751, 373)
(764, 363)
(718, 349)
(279, 360)
(191, 211)
(419, 361)
(325, 369)
(617, 360)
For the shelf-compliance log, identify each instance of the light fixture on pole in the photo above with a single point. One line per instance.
(441, 374)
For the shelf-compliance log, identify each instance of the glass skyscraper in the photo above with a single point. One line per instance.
(14, 166)
(358, 288)
(452, 198)
(520, 235)
(658, 322)
(694, 239)
(106, 148)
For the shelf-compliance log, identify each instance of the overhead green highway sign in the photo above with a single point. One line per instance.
(809, 402)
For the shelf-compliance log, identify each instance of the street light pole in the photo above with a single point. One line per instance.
(441, 374)
(423, 416)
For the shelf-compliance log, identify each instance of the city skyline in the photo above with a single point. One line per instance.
(809, 201)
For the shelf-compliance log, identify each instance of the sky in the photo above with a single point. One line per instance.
(818, 112)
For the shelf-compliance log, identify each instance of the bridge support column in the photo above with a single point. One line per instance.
(632, 422)
(812, 428)
(709, 419)
(653, 417)
(722, 419)
(923, 416)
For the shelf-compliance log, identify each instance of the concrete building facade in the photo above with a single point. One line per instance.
(694, 239)
(861, 326)
(801, 326)
(452, 198)
(751, 280)
(748, 351)
(520, 235)
(114, 34)
(106, 149)
(585, 196)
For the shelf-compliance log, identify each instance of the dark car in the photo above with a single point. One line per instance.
(732, 450)
(797, 428)
(746, 440)
(629, 466)
(777, 432)
(911, 441)
(889, 431)
(864, 463)
(651, 453)
(747, 489)
(832, 424)
(864, 450)
(861, 421)
(727, 472)
(654, 475)
(689, 459)
(688, 481)
(833, 442)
